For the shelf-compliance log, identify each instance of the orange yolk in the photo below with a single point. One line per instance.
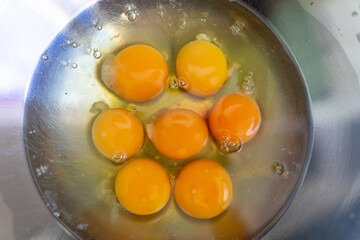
(118, 134)
(142, 186)
(138, 73)
(234, 117)
(203, 189)
(203, 68)
(178, 134)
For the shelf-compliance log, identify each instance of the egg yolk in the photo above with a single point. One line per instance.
(142, 186)
(178, 134)
(233, 119)
(138, 73)
(201, 68)
(118, 134)
(203, 189)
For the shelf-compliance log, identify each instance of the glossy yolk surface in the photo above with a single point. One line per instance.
(137, 73)
(118, 134)
(203, 189)
(235, 116)
(178, 134)
(203, 66)
(142, 186)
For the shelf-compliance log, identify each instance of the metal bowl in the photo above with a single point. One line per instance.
(323, 36)
(76, 182)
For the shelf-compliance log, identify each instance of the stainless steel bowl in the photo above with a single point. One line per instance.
(321, 34)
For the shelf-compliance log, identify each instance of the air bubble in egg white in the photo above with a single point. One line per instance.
(57, 214)
(237, 27)
(45, 57)
(74, 65)
(97, 54)
(74, 44)
(182, 23)
(278, 168)
(132, 14)
(82, 226)
(41, 170)
(161, 13)
(100, 27)
(172, 3)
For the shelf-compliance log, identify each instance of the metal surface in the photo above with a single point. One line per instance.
(322, 35)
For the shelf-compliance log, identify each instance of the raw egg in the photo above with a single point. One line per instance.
(138, 73)
(178, 134)
(234, 119)
(201, 68)
(118, 134)
(142, 186)
(203, 189)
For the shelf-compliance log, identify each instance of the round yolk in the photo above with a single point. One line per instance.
(203, 68)
(142, 186)
(234, 117)
(203, 189)
(178, 134)
(138, 73)
(118, 134)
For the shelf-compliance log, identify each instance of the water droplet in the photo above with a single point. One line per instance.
(312, 3)
(237, 27)
(183, 83)
(97, 54)
(202, 19)
(161, 13)
(57, 214)
(132, 14)
(278, 168)
(169, 25)
(173, 83)
(45, 57)
(119, 157)
(358, 37)
(248, 84)
(74, 44)
(33, 156)
(74, 65)
(354, 14)
(182, 23)
(230, 144)
(100, 27)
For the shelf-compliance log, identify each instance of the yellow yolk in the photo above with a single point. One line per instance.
(203, 189)
(142, 186)
(138, 73)
(234, 117)
(178, 134)
(118, 134)
(202, 66)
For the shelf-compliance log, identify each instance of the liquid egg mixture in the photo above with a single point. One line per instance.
(169, 123)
